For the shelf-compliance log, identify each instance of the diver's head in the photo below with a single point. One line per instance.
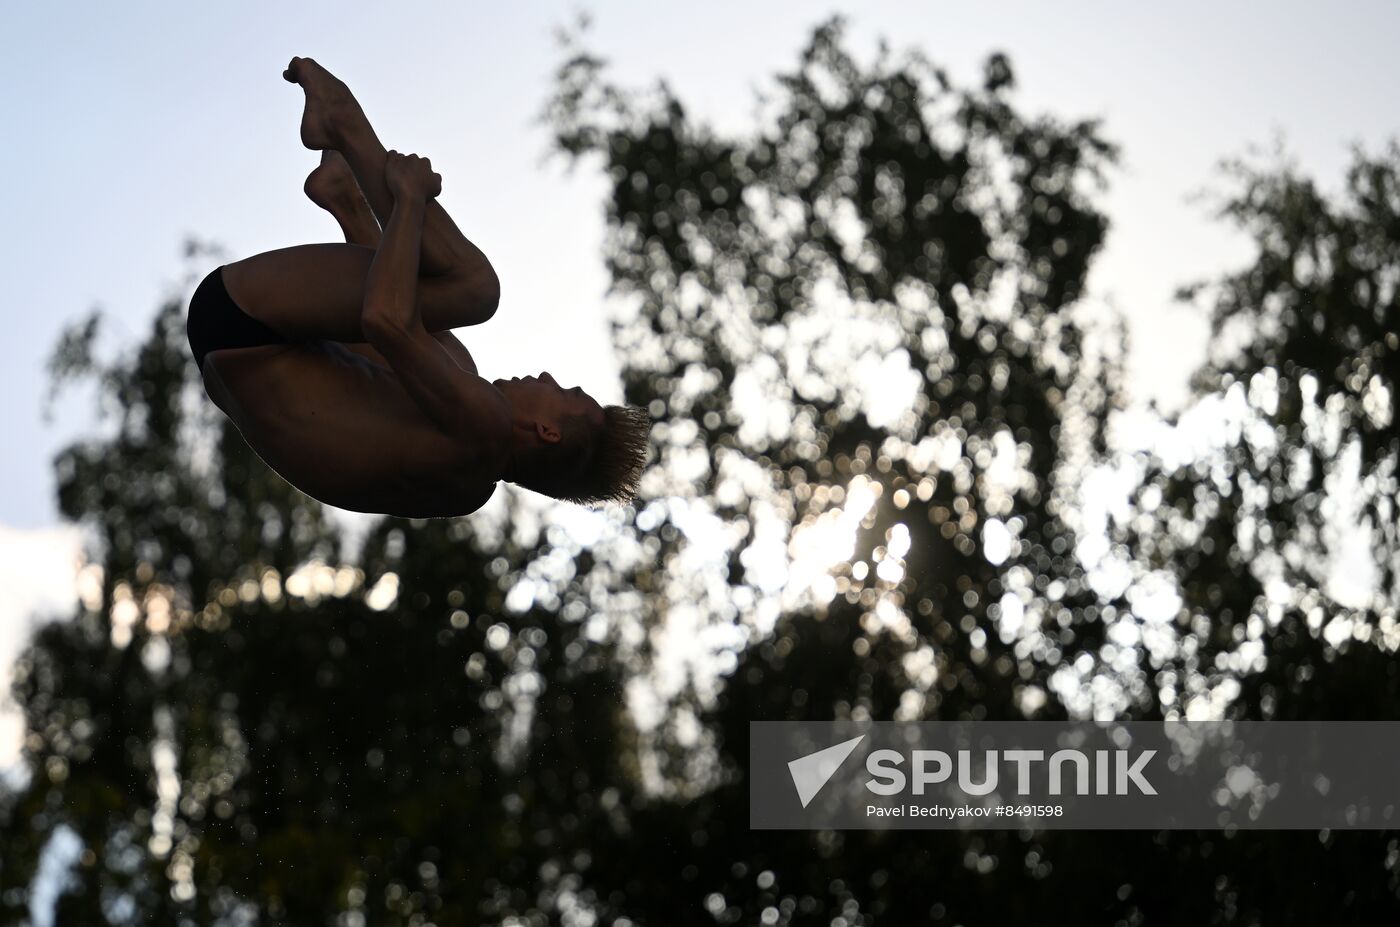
(566, 445)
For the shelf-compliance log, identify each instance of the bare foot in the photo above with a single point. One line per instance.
(332, 184)
(331, 110)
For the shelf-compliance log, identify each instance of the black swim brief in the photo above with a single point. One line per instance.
(215, 321)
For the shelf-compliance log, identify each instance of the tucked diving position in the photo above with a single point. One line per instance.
(338, 365)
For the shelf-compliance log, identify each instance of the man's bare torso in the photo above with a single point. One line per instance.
(342, 428)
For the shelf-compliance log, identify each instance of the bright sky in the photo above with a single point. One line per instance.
(130, 126)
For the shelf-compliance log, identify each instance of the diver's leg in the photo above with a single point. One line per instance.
(333, 119)
(318, 291)
(332, 187)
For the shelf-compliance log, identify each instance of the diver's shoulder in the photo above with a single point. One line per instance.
(476, 497)
(482, 466)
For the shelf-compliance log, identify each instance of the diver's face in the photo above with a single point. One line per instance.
(544, 399)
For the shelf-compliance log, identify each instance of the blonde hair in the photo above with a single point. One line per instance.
(593, 464)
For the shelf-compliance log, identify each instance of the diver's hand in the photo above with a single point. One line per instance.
(410, 176)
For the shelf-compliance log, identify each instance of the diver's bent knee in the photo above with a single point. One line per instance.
(475, 300)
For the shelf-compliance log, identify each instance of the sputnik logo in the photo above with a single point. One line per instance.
(811, 772)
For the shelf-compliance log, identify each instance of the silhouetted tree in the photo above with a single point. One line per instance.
(239, 726)
(955, 234)
(1281, 538)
